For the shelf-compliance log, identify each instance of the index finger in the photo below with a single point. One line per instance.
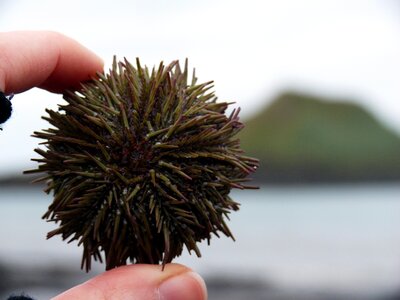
(44, 59)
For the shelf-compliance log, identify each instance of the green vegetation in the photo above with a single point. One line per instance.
(302, 138)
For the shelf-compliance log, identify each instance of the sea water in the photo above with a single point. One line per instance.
(341, 238)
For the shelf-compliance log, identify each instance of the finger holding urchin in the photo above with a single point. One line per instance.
(141, 164)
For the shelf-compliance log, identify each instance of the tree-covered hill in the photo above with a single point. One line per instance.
(302, 138)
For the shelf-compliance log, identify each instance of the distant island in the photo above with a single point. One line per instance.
(302, 138)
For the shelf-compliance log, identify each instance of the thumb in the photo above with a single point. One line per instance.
(176, 282)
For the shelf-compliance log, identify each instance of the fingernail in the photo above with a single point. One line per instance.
(187, 286)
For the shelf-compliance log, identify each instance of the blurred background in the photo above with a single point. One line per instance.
(318, 85)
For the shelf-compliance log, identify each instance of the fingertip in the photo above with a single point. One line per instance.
(75, 64)
(185, 286)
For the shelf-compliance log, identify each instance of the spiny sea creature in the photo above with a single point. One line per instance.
(141, 165)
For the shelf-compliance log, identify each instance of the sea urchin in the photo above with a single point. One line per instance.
(141, 164)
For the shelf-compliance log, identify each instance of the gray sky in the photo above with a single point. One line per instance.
(252, 49)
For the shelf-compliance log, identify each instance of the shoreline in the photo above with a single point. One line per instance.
(27, 181)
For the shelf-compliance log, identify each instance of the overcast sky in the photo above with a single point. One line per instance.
(252, 49)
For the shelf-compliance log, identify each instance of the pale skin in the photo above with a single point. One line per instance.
(54, 62)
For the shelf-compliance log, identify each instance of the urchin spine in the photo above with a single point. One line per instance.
(141, 164)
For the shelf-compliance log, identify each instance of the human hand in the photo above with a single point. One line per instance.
(145, 282)
(55, 62)
(43, 59)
